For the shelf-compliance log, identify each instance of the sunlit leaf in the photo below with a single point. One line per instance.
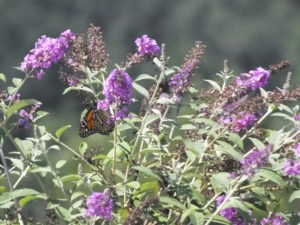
(140, 89)
(61, 130)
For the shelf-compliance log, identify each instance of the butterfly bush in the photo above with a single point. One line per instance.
(232, 214)
(147, 46)
(47, 52)
(99, 205)
(117, 91)
(277, 219)
(254, 79)
(174, 152)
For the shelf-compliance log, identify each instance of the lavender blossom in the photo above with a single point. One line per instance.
(47, 51)
(277, 219)
(180, 82)
(147, 46)
(238, 123)
(117, 90)
(297, 117)
(292, 167)
(255, 160)
(254, 79)
(99, 204)
(232, 214)
(297, 150)
(26, 118)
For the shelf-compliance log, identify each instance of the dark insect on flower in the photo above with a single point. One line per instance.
(86, 98)
(96, 121)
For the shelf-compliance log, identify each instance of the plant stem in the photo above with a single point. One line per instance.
(24, 156)
(241, 180)
(10, 184)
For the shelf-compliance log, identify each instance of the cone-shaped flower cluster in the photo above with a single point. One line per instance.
(238, 123)
(147, 46)
(99, 205)
(255, 160)
(117, 90)
(47, 51)
(275, 220)
(254, 79)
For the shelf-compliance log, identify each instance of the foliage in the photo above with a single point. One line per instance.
(188, 156)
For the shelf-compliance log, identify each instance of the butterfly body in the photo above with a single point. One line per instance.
(96, 121)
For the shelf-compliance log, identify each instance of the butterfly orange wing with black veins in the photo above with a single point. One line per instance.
(96, 121)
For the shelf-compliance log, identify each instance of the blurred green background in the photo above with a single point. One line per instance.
(247, 33)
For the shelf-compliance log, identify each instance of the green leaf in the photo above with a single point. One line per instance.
(7, 205)
(172, 201)
(23, 201)
(2, 77)
(228, 149)
(61, 130)
(7, 196)
(236, 139)
(220, 182)
(188, 127)
(17, 82)
(17, 163)
(24, 145)
(60, 163)
(72, 177)
(151, 186)
(83, 147)
(158, 63)
(214, 84)
(218, 220)
(272, 176)
(147, 171)
(63, 213)
(294, 195)
(133, 184)
(19, 105)
(123, 213)
(145, 77)
(197, 218)
(257, 143)
(205, 121)
(72, 88)
(140, 89)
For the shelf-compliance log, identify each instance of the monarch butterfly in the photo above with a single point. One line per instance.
(96, 121)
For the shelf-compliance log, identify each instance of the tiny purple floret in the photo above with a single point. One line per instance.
(255, 160)
(99, 205)
(47, 52)
(255, 79)
(147, 46)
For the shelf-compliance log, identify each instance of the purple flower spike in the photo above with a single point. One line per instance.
(292, 167)
(277, 219)
(47, 52)
(180, 82)
(147, 46)
(254, 79)
(99, 204)
(26, 118)
(255, 160)
(238, 123)
(297, 117)
(117, 90)
(297, 150)
(231, 213)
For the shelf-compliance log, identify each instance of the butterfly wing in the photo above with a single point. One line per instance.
(96, 121)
